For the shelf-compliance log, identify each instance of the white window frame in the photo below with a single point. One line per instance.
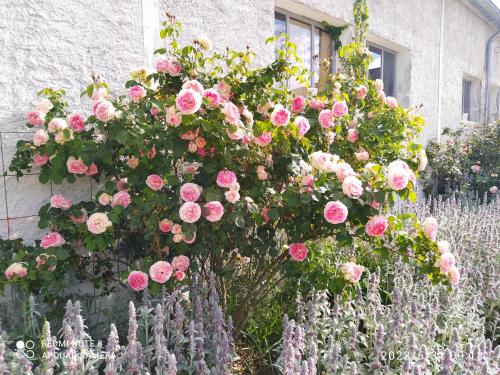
(384, 49)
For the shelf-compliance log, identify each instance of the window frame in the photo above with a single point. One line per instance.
(388, 50)
(313, 24)
(468, 82)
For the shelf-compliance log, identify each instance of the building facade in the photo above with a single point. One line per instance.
(431, 55)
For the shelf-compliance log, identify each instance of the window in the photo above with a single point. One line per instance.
(313, 44)
(466, 86)
(383, 66)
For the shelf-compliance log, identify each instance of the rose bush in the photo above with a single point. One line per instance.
(221, 164)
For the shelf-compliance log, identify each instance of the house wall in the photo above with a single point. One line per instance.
(61, 43)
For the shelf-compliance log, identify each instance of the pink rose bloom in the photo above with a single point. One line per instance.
(58, 201)
(214, 211)
(398, 178)
(52, 239)
(189, 242)
(160, 271)
(280, 115)
(213, 97)
(353, 124)
(190, 192)
(188, 101)
(340, 109)
(122, 198)
(343, 170)
(445, 262)
(190, 212)
(99, 93)
(443, 247)
(381, 95)
(40, 160)
(352, 135)
(375, 204)
(92, 170)
(264, 214)
(180, 263)
(264, 139)
(317, 104)
(376, 226)
(475, 168)
(352, 272)
(335, 212)
(391, 102)
(175, 68)
(162, 65)
(231, 113)
(136, 93)
(104, 110)
(16, 270)
(454, 275)
(298, 251)
(493, 190)
(104, 199)
(430, 228)
(154, 182)
(42, 260)
(226, 178)
(302, 125)
(133, 162)
(138, 280)
(232, 196)
(36, 118)
(76, 166)
(307, 180)
(76, 122)
(361, 92)
(362, 155)
(176, 229)
(379, 84)
(179, 275)
(79, 218)
(261, 172)
(298, 104)
(40, 137)
(151, 153)
(173, 117)
(325, 118)
(98, 223)
(352, 187)
(193, 85)
(122, 184)
(165, 225)
(237, 135)
(44, 106)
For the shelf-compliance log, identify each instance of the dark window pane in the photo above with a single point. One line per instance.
(389, 67)
(466, 97)
(375, 68)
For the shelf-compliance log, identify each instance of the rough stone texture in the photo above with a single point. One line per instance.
(61, 43)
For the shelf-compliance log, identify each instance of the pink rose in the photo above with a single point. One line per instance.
(176, 229)
(193, 85)
(264, 214)
(133, 162)
(302, 125)
(36, 118)
(261, 172)
(298, 104)
(379, 84)
(160, 271)
(154, 182)
(307, 180)
(352, 187)
(136, 93)
(173, 117)
(162, 65)
(352, 272)
(213, 96)
(175, 68)
(122, 198)
(92, 170)
(40, 160)
(179, 275)
(317, 104)
(335, 212)
(165, 225)
(76, 122)
(98, 223)
(232, 196)
(443, 247)
(58, 201)
(475, 168)
(104, 199)
(340, 109)
(16, 270)
(376, 226)
(362, 155)
(361, 92)
(343, 170)
(190, 192)
(188, 101)
(323, 161)
(180, 263)
(454, 275)
(214, 211)
(280, 115)
(122, 184)
(190, 212)
(325, 118)
(430, 228)
(264, 139)
(138, 280)
(103, 110)
(40, 137)
(44, 106)
(298, 251)
(226, 178)
(231, 113)
(397, 178)
(76, 166)
(445, 262)
(52, 239)
(391, 102)
(493, 190)
(80, 217)
(99, 93)
(189, 241)
(352, 135)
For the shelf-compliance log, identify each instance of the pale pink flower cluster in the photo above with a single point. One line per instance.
(340, 109)
(37, 117)
(335, 212)
(98, 223)
(264, 139)
(352, 187)
(261, 172)
(280, 115)
(325, 118)
(317, 104)
(475, 168)
(180, 264)
(231, 114)
(16, 270)
(58, 201)
(362, 155)
(172, 67)
(323, 161)
(138, 280)
(76, 122)
(398, 175)
(40, 137)
(352, 272)
(447, 264)
(190, 212)
(136, 93)
(76, 166)
(493, 189)
(40, 159)
(298, 104)
(343, 170)
(122, 198)
(172, 117)
(103, 110)
(352, 135)
(165, 225)
(161, 271)
(104, 199)
(361, 92)
(213, 96)
(190, 192)
(430, 228)
(376, 226)
(188, 101)
(213, 211)
(154, 182)
(298, 251)
(52, 239)
(302, 125)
